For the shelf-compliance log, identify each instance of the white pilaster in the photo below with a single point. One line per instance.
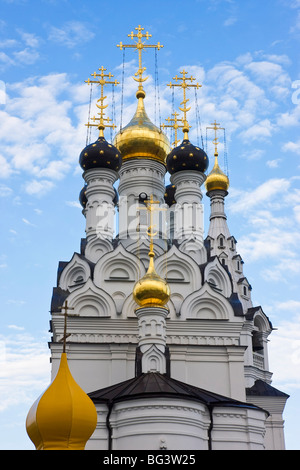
(152, 338)
(99, 210)
(189, 208)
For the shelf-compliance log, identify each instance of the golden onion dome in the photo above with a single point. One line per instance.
(141, 138)
(151, 290)
(216, 179)
(63, 417)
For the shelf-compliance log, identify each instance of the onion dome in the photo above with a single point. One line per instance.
(170, 194)
(187, 157)
(100, 154)
(82, 196)
(141, 138)
(151, 290)
(63, 417)
(216, 179)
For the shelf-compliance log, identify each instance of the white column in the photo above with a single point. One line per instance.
(138, 176)
(100, 210)
(152, 338)
(189, 208)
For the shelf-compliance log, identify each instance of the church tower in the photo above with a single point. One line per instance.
(162, 333)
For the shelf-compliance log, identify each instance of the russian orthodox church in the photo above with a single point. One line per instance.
(155, 341)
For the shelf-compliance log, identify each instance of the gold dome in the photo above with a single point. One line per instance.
(141, 138)
(151, 290)
(63, 417)
(216, 178)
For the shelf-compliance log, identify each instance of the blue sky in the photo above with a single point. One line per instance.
(246, 56)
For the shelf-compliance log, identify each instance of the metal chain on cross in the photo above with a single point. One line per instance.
(140, 46)
(101, 79)
(183, 83)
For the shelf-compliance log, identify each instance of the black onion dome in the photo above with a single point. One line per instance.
(170, 194)
(82, 196)
(187, 157)
(100, 154)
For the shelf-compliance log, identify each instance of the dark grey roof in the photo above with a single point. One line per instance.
(156, 385)
(261, 388)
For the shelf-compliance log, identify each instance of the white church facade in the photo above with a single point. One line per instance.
(162, 332)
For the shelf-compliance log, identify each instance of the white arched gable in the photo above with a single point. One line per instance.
(141, 250)
(96, 248)
(261, 321)
(118, 271)
(215, 274)
(180, 270)
(90, 301)
(195, 249)
(206, 304)
(74, 274)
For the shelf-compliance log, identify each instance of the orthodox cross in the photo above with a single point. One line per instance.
(184, 85)
(215, 128)
(175, 126)
(101, 79)
(139, 46)
(65, 307)
(151, 208)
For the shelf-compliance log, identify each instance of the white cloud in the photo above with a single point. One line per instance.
(259, 131)
(26, 56)
(47, 125)
(25, 369)
(27, 222)
(31, 40)
(293, 147)
(74, 204)
(273, 163)
(38, 188)
(244, 201)
(71, 34)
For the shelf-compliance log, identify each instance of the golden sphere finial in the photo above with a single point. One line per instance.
(216, 178)
(151, 290)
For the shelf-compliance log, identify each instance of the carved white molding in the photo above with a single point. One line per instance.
(118, 271)
(96, 248)
(91, 301)
(74, 274)
(206, 303)
(214, 273)
(180, 270)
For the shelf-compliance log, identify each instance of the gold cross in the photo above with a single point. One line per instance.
(139, 46)
(215, 128)
(175, 126)
(150, 207)
(184, 85)
(100, 79)
(65, 307)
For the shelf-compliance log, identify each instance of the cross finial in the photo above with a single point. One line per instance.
(184, 85)
(101, 79)
(139, 46)
(65, 307)
(151, 206)
(173, 123)
(215, 128)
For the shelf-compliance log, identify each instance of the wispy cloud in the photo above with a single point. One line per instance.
(70, 34)
(25, 368)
